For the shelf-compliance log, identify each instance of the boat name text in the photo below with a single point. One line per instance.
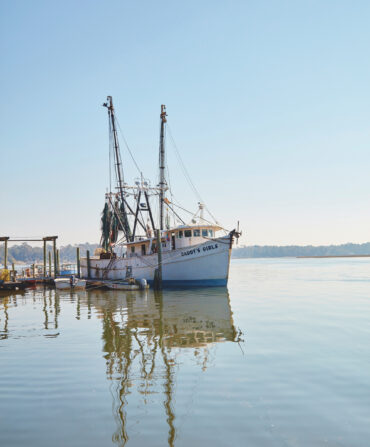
(197, 250)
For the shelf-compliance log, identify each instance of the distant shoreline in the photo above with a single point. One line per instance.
(348, 250)
(335, 256)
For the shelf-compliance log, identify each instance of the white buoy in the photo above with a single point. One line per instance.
(143, 283)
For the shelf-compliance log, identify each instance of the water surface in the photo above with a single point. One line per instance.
(281, 358)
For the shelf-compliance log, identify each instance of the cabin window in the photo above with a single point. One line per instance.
(143, 250)
(204, 232)
(173, 242)
(210, 232)
(196, 233)
(132, 249)
(180, 234)
(187, 233)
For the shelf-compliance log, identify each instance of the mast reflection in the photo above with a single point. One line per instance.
(151, 329)
(145, 335)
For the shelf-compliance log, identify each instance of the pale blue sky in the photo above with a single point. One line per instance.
(268, 101)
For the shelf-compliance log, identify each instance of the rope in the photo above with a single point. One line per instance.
(128, 149)
(183, 167)
(186, 173)
(189, 212)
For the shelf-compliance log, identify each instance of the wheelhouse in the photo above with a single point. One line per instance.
(185, 236)
(180, 237)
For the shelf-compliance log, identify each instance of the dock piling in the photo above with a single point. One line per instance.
(78, 262)
(58, 262)
(44, 253)
(5, 240)
(55, 257)
(50, 273)
(88, 264)
(6, 254)
(158, 272)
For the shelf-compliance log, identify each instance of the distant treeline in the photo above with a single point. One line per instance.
(27, 254)
(273, 251)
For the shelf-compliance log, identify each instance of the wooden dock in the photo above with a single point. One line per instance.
(11, 285)
(25, 283)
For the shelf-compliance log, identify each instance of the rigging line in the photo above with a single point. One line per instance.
(182, 164)
(195, 214)
(186, 173)
(142, 218)
(174, 215)
(192, 214)
(128, 148)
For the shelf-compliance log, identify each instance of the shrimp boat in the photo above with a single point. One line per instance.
(185, 253)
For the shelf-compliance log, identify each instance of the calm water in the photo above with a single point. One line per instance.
(281, 358)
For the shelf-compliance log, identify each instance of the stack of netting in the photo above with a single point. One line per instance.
(4, 275)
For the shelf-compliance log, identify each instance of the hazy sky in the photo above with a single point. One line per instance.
(268, 102)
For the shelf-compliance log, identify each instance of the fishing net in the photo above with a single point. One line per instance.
(4, 275)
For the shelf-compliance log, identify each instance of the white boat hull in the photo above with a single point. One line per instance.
(205, 264)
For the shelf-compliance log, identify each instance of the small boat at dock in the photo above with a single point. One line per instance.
(70, 283)
(120, 284)
(12, 285)
(29, 282)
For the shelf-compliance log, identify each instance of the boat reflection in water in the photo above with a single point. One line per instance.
(149, 339)
(144, 333)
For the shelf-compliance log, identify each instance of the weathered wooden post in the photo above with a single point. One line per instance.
(78, 262)
(58, 262)
(158, 272)
(13, 272)
(50, 272)
(33, 270)
(6, 253)
(88, 264)
(5, 240)
(45, 273)
(55, 257)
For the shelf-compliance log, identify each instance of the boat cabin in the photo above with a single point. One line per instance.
(185, 236)
(173, 239)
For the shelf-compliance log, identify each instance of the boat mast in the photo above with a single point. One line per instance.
(162, 179)
(118, 167)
